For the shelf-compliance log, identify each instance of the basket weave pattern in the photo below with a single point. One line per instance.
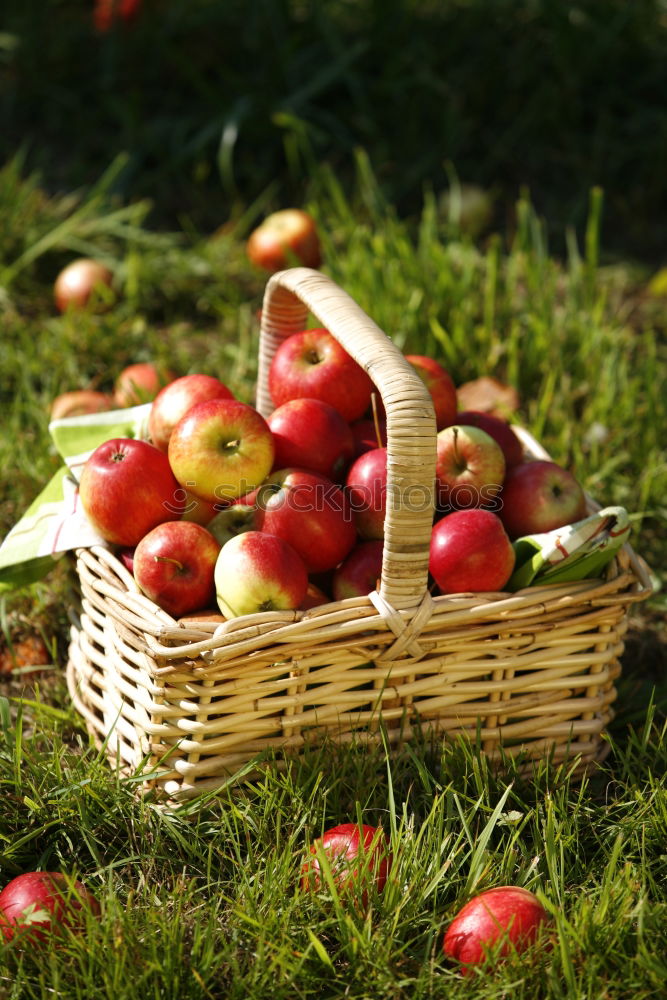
(530, 673)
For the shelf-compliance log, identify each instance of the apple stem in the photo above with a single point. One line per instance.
(169, 559)
(376, 419)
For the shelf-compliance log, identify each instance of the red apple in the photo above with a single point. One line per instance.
(495, 923)
(175, 399)
(126, 556)
(258, 572)
(140, 383)
(283, 239)
(499, 430)
(79, 402)
(540, 496)
(37, 904)
(440, 385)
(312, 363)
(127, 487)
(310, 512)
(81, 284)
(366, 488)
(107, 12)
(359, 572)
(470, 552)
(199, 511)
(221, 449)
(232, 520)
(354, 855)
(313, 435)
(174, 565)
(469, 468)
(315, 597)
(365, 435)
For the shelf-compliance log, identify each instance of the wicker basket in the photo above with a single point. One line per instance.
(530, 673)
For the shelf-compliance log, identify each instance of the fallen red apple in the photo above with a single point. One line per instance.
(311, 363)
(175, 399)
(494, 924)
(79, 402)
(440, 385)
(540, 496)
(310, 512)
(366, 489)
(140, 383)
(354, 854)
(174, 565)
(258, 572)
(37, 904)
(83, 283)
(313, 435)
(107, 12)
(499, 430)
(284, 238)
(470, 552)
(360, 571)
(221, 449)
(126, 488)
(469, 468)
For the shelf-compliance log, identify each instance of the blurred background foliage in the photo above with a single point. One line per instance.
(218, 103)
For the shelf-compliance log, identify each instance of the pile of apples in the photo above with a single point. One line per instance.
(224, 509)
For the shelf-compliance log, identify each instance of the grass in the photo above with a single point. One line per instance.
(162, 175)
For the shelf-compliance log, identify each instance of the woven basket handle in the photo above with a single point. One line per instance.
(411, 431)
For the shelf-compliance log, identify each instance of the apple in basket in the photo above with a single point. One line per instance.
(366, 488)
(174, 565)
(232, 520)
(175, 399)
(83, 283)
(494, 924)
(470, 552)
(311, 434)
(35, 905)
(258, 572)
(312, 363)
(126, 488)
(470, 467)
(359, 572)
(499, 430)
(354, 856)
(284, 238)
(309, 511)
(367, 436)
(540, 496)
(440, 385)
(140, 383)
(221, 449)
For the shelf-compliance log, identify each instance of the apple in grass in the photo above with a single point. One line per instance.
(35, 905)
(360, 571)
(79, 402)
(284, 238)
(126, 488)
(440, 385)
(499, 430)
(256, 572)
(540, 496)
(221, 449)
(469, 468)
(311, 434)
(84, 283)
(311, 363)
(174, 565)
(498, 922)
(140, 383)
(309, 511)
(355, 855)
(175, 399)
(470, 552)
(366, 489)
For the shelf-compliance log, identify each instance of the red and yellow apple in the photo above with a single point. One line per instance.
(79, 402)
(285, 238)
(540, 496)
(140, 383)
(499, 429)
(175, 399)
(258, 572)
(83, 283)
(469, 469)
